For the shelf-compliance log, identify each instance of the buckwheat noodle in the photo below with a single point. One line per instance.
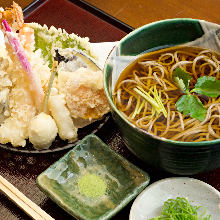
(154, 71)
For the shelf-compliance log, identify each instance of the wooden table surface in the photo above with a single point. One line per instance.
(139, 12)
(8, 3)
(22, 170)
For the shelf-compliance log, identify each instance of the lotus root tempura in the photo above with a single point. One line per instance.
(173, 93)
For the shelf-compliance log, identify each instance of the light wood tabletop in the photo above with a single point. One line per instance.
(140, 12)
(22, 3)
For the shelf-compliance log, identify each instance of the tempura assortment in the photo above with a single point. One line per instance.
(38, 99)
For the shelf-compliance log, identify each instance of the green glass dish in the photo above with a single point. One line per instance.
(91, 156)
(182, 158)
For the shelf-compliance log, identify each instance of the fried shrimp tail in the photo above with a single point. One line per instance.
(17, 10)
(14, 16)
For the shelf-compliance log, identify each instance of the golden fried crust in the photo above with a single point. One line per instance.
(84, 93)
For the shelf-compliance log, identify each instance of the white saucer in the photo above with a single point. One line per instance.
(149, 203)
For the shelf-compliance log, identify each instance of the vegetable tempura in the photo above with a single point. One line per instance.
(26, 57)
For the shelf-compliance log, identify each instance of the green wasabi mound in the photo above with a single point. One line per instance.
(91, 185)
(181, 209)
(48, 38)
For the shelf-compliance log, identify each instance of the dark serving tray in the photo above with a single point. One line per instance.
(74, 19)
(22, 169)
(77, 17)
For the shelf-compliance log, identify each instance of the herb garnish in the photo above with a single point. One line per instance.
(155, 101)
(189, 103)
(208, 86)
(180, 209)
(181, 79)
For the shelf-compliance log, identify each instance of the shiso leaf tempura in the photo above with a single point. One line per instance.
(173, 93)
(48, 38)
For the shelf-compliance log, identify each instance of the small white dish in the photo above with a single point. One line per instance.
(149, 203)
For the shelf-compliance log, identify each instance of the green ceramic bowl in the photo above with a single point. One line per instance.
(183, 158)
(92, 181)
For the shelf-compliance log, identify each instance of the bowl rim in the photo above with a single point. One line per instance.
(143, 132)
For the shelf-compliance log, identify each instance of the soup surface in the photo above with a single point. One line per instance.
(173, 93)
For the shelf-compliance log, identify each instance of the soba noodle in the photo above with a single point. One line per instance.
(152, 73)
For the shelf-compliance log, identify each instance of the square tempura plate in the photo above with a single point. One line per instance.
(92, 181)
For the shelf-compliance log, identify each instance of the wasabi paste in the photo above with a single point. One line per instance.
(91, 185)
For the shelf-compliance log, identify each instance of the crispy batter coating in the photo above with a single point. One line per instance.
(84, 93)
